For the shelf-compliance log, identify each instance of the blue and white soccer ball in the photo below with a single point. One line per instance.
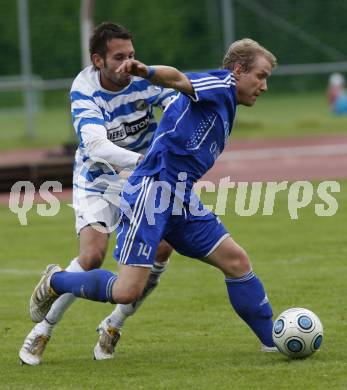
(297, 332)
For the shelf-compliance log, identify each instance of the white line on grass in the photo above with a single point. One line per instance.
(20, 272)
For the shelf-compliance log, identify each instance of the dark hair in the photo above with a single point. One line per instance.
(103, 34)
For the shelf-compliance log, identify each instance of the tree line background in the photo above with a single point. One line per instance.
(181, 33)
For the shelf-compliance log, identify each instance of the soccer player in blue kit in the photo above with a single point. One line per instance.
(157, 200)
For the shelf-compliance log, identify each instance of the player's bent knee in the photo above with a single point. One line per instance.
(130, 283)
(237, 264)
(91, 258)
(126, 296)
(236, 269)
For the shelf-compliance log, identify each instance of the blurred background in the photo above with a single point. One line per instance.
(41, 49)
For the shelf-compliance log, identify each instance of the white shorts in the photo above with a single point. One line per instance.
(92, 207)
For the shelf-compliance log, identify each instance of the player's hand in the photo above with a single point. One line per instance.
(134, 67)
(125, 173)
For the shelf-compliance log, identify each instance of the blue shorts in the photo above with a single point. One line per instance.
(150, 213)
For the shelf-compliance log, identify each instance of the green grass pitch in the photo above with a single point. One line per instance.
(185, 336)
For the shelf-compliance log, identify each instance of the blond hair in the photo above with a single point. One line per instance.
(244, 52)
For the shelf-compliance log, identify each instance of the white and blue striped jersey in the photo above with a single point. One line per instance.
(193, 130)
(115, 127)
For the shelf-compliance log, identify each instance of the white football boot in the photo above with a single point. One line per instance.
(33, 348)
(109, 337)
(265, 348)
(43, 296)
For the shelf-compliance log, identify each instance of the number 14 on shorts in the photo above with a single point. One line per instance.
(144, 250)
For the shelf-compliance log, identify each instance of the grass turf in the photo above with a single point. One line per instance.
(273, 116)
(186, 336)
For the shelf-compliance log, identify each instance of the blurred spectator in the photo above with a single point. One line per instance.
(337, 95)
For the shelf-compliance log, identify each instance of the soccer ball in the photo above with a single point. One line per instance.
(297, 332)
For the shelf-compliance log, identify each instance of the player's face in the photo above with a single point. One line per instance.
(118, 50)
(251, 84)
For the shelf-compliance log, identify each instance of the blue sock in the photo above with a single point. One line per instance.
(95, 285)
(248, 298)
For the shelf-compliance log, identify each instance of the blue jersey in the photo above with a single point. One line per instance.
(193, 130)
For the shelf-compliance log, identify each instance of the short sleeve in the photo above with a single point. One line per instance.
(164, 97)
(210, 86)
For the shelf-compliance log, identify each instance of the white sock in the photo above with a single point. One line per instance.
(117, 318)
(62, 303)
(44, 328)
(74, 266)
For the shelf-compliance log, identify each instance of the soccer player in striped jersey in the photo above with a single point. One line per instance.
(156, 200)
(113, 117)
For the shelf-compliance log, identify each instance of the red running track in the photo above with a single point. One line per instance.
(321, 157)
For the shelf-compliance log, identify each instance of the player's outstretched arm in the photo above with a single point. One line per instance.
(165, 76)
